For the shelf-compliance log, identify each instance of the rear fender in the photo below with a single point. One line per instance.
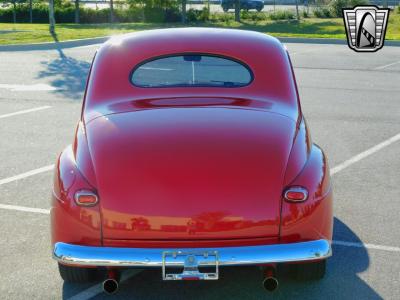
(299, 153)
(313, 218)
(71, 223)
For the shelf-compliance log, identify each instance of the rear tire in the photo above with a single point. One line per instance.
(309, 271)
(77, 274)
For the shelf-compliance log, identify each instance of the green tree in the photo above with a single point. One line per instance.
(30, 12)
(14, 5)
(237, 10)
(52, 19)
(76, 11)
(183, 11)
(111, 11)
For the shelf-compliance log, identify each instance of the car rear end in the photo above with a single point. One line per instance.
(216, 169)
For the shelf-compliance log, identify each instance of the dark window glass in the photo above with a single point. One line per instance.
(191, 71)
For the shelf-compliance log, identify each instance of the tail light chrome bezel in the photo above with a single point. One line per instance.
(295, 189)
(81, 193)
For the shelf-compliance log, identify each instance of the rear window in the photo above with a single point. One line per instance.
(195, 70)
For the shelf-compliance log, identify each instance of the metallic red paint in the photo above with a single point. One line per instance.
(197, 166)
(110, 90)
(190, 173)
(70, 222)
(313, 218)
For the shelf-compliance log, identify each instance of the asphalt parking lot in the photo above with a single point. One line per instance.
(352, 104)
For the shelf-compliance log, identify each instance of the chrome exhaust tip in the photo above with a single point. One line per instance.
(270, 284)
(110, 286)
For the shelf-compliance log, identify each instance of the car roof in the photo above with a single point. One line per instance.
(109, 80)
(194, 37)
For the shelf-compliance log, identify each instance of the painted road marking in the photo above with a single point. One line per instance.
(24, 111)
(365, 154)
(98, 288)
(368, 246)
(25, 209)
(26, 174)
(388, 65)
(28, 87)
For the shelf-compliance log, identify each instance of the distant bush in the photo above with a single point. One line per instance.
(133, 14)
(282, 15)
(336, 6)
(317, 12)
(305, 14)
(222, 17)
(327, 12)
(196, 15)
(253, 16)
(323, 12)
(205, 14)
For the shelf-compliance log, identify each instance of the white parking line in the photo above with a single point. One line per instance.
(25, 209)
(364, 154)
(26, 174)
(24, 111)
(388, 65)
(368, 246)
(28, 87)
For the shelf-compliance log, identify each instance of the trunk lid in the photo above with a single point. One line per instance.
(188, 173)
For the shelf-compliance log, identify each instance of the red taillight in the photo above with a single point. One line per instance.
(86, 198)
(296, 194)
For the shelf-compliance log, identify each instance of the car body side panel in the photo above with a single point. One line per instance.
(311, 219)
(299, 154)
(71, 223)
(82, 155)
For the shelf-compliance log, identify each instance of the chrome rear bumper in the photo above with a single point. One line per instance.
(155, 257)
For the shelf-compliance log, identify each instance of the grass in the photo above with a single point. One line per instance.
(306, 28)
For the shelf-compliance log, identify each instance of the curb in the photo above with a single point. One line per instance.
(327, 41)
(54, 45)
(99, 40)
(312, 40)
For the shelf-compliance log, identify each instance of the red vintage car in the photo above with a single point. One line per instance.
(191, 154)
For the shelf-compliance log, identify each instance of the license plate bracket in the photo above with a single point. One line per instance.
(190, 261)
